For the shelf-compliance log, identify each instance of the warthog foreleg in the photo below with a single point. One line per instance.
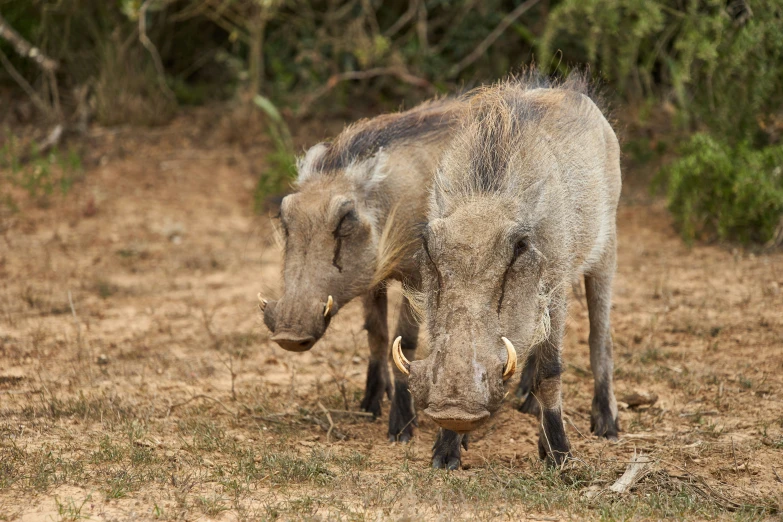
(529, 403)
(553, 443)
(378, 381)
(446, 450)
(598, 289)
(402, 418)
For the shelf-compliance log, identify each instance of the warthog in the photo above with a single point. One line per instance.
(523, 203)
(350, 227)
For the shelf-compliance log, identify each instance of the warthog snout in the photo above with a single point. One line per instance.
(455, 418)
(297, 325)
(293, 342)
(458, 404)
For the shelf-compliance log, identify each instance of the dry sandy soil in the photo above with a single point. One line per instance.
(137, 380)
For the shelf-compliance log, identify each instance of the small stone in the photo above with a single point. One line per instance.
(103, 359)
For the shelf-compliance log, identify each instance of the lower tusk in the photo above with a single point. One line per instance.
(329, 305)
(400, 361)
(261, 302)
(511, 363)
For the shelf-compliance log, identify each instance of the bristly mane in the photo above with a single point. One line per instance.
(502, 124)
(367, 137)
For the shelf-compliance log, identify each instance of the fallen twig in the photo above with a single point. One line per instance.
(728, 504)
(699, 413)
(639, 466)
(201, 396)
(353, 413)
(331, 422)
(23, 392)
(75, 320)
(324, 426)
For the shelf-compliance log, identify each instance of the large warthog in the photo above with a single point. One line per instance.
(523, 203)
(350, 227)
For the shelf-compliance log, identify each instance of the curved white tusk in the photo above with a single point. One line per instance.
(329, 304)
(511, 363)
(400, 361)
(261, 302)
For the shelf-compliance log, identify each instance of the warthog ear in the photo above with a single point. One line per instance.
(368, 173)
(306, 165)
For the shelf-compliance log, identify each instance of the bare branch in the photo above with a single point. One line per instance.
(37, 100)
(25, 48)
(147, 43)
(335, 79)
(509, 19)
(406, 17)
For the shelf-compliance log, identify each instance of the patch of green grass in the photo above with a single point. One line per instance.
(108, 451)
(651, 355)
(107, 409)
(68, 511)
(211, 506)
(37, 469)
(40, 174)
(207, 435)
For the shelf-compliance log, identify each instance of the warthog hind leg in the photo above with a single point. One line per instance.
(446, 450)
(598, 289)
(378, 381)
(402, 417)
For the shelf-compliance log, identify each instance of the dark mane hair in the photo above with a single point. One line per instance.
(503, 119)
(366, 137)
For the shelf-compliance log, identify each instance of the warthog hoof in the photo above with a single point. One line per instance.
(602, 422)
(446, 451)
(553, 443)
(554, 458)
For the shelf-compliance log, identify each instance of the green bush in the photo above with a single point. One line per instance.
(722, 65)
(39, 175)
(280, 168)
(719, 191)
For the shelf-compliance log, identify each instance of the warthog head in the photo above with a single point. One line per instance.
(330, 255)
(348, 227)
(484, 267)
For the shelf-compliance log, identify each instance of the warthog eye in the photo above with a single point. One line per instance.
(279, 218)
(520, 247)
(344, 227)
(434, 266)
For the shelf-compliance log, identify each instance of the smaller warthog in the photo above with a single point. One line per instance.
(524, 202)
(350, 227)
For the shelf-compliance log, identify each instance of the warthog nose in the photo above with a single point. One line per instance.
(456, 419)
(293, 342)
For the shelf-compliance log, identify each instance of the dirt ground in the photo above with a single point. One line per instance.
(137, 380)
